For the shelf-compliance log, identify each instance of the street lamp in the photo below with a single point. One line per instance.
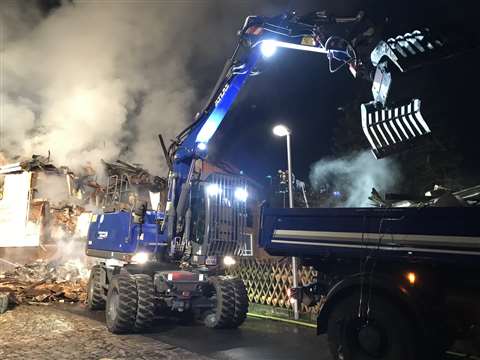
(282, 130)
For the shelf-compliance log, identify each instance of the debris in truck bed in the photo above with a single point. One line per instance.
(439, 196)
(45, 282)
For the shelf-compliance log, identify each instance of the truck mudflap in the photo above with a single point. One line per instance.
(391, 130)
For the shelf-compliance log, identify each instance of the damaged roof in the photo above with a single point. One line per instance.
(36, 163)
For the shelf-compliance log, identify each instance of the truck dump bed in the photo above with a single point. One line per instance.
(445, 234)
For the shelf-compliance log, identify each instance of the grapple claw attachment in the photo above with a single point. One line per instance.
(410, 50)
(392, 130)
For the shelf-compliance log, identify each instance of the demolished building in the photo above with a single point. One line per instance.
(41, 204)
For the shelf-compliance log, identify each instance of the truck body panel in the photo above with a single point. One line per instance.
(443, 234)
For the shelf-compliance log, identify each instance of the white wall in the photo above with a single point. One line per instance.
(15, 230)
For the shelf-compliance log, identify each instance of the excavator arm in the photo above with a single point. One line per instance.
(259, 38)
(388, 128)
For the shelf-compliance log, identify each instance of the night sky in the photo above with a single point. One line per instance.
(296, 88)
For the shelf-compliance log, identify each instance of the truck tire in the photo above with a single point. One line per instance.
(145, 304)
(121, 305)
(389, 334)
(223, 295)
(241, 301)
(95, 295)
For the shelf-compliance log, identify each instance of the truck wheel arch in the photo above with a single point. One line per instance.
(400, 295)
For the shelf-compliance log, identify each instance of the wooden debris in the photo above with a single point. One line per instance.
(43, 282)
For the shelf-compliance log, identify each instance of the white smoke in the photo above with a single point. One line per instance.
(96, 79)
(355, 176)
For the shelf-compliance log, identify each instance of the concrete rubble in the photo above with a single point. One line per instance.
(44, 282)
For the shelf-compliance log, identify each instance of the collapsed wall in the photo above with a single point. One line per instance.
(42, 208)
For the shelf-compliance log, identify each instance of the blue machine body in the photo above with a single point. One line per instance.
(117, 232)
(443, 234)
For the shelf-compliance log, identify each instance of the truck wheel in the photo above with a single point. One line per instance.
(121, 303)
(241, 301)
(223, 296)
(388, 334)
(146, 302)
(95, 295)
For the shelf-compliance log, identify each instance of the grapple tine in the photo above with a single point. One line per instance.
(409, 50)
(392, 130)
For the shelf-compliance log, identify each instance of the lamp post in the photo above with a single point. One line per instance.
(281, 130)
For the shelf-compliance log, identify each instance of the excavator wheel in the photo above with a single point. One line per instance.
(146, 302)
(121, 306)
(95, 295)
(241, 301)
(223, 312)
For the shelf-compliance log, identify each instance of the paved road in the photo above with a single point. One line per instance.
(257, 339)
(64, 331)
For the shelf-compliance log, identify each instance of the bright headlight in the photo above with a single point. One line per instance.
(213, 190)
(202, 146)
(229, 261)
(140, 258)
(268, 48)
(241, 194)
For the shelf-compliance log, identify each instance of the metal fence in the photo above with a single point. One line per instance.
(267, 281)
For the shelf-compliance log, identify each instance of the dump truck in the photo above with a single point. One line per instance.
(394, 283)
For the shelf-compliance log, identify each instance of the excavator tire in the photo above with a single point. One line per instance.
(95, 295)
(241, 301)
(121, 306)
(223, 313)
(146, 302)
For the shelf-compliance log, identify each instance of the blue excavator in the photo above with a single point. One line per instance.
(172, 260)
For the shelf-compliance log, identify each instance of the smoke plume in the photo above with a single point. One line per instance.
(354, 177)
(96, 79)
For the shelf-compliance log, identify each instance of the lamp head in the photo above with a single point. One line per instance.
(281, 130)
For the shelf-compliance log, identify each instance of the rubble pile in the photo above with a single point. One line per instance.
(44, 282)
(66, 218)
(130, 187)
